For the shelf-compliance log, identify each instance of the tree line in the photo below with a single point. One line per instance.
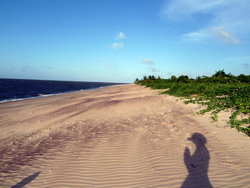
(219, 77)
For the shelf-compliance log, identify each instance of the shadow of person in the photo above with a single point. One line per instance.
(197, 164)
(26, 181)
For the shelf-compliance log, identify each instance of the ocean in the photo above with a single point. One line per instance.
(19, 89)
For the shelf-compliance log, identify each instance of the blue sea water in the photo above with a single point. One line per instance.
(18, 89)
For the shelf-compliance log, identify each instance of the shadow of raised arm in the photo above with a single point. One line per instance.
(197, 164)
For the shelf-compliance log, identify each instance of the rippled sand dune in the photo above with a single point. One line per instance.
(119, 136)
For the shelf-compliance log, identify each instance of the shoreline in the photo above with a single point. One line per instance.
(54, 94)
(117, 136)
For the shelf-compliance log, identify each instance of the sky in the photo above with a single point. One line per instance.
(121, 40)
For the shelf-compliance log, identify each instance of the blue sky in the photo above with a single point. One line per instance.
(120, 40)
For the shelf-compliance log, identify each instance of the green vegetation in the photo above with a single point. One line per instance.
(217, 93)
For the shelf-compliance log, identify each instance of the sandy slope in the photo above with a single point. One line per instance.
(119, 136)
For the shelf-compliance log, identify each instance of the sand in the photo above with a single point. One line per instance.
(118, 136)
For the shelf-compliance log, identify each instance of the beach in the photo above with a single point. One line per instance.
(118, 136)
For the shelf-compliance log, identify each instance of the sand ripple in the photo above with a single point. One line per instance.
(122, 136)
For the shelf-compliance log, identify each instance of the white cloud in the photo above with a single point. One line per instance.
(200, 36)
(120, 36)
(208, 34)
(180, 10)
(117, 45)
(28, 68)
(147, 61)
(224, 36)
(153, 69)
(150, 62)
(48, 67)
(225, 15)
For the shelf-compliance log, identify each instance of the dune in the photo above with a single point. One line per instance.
(118, 136)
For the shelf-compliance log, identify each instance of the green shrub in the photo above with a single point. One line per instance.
(219, 92)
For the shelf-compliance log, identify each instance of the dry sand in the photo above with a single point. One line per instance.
(119, 136)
